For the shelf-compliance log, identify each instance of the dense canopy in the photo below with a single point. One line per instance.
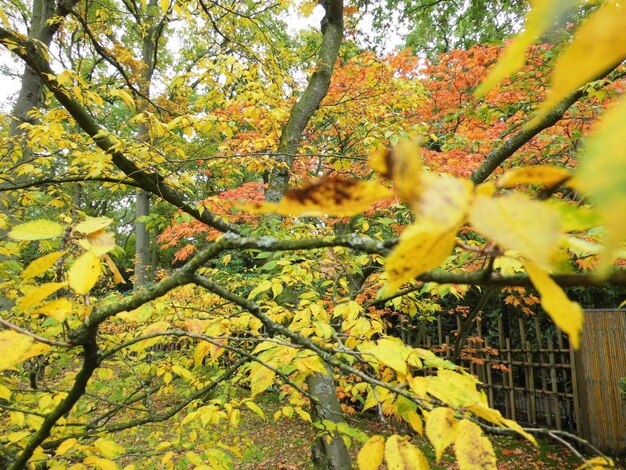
(205, 202)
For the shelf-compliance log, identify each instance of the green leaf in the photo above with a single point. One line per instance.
(37, 230)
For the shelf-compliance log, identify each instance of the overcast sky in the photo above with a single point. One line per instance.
(10, 82)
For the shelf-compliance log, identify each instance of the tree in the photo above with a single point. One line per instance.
(268, 301)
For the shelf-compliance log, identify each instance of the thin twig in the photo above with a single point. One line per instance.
(41, 339)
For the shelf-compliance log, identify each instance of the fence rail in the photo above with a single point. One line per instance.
(532, 375)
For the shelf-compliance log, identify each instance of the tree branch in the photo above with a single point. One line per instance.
(37, 338)
(31, 53)
(498, 155)
(77, 179)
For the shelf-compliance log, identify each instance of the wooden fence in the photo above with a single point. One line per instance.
(530, 373)
(602, 363)
(527, 373)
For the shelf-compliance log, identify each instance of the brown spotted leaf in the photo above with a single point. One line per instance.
(473, 450)
(329, 196)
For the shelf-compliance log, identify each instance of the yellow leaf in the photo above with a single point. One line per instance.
(100, 463)
(602, 172)
(309, 363)
(34, 295)
(422, 247)
(453, 388)
(15, 348)
(261, 378)
(400, 454)
(566, 315)
(165, 5)
(483, 411)
(598, 44)
(41, 265)
(543, 14)
(441, 429)
(473, 450)
(414, 421)
(303, 414)
(109, 448)
(391, 352)
(5, 393)
(100, 242)
(93, 224)
(37, 230)
(574, 217)
(544, 175)
(444, 200)
(65, 446)
(84, 273)
(255, 408)
(201, 351)
(125, 96)
(167, 457)
(4, 19)
(597, 463)
(403, 165)
(58, 309)
(117, 277)
(330, 196)
(516, 222)
(182, 372)
(371, 454)
(262, 287)
(17, 436)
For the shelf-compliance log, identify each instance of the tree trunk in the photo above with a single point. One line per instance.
(30, 97)
(328, 452)
(143, 270)
(142, 239)
(309, 102)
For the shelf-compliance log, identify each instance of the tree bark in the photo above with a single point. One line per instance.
(29, 98)
(143, 270)
(309, 102)
(328, 452)
(142, 239)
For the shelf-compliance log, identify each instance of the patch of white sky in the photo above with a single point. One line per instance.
(11, 67)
